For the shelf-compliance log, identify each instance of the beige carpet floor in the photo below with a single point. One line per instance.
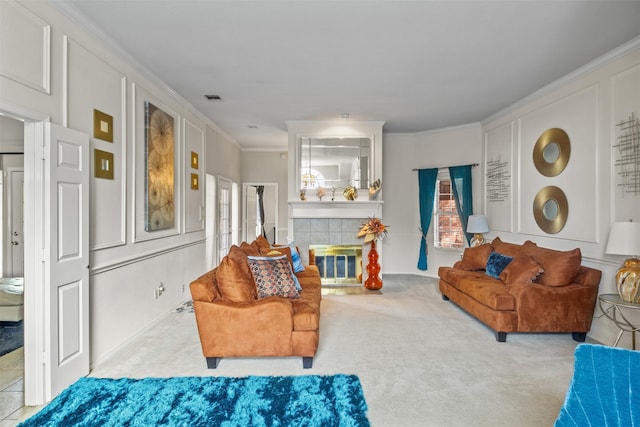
(422, 361)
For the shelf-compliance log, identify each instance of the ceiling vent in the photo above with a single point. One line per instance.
(213, 97)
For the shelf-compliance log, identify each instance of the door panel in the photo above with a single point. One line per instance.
(67, 264)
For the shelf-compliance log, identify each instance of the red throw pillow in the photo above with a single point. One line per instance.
(560, 268)
(234, 278)
(475, 258)
(523, 269)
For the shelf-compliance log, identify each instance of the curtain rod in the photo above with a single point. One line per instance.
(445, 167)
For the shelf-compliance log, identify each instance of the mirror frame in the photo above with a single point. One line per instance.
(298, 158)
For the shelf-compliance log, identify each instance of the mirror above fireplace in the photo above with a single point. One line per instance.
(333, 154)
(334, 162)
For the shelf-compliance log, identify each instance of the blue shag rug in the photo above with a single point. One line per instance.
(308, 400)
(11, 336)
(604, 390)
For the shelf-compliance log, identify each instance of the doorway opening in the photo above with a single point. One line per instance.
(12, 256)
(260, 211)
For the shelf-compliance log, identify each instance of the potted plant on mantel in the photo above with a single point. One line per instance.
(373, 230)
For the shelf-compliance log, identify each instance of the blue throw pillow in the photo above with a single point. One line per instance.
(298, 266)
(496, 263)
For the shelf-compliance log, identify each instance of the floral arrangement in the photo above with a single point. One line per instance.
(373, 229)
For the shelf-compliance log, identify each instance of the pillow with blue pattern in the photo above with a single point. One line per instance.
(496, 263)
(273, 277)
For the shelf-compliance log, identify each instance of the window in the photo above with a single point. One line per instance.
(447, 225)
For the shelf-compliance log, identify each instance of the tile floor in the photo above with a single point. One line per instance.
(12, 409)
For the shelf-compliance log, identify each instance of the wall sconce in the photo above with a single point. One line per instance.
(477, 224)
(624, 239)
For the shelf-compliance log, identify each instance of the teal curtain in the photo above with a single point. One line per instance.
(463, 195)
(426, 194)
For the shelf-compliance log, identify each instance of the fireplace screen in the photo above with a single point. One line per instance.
(338, 264)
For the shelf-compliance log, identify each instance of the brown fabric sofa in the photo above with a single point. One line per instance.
(233, 322)
(540, 290)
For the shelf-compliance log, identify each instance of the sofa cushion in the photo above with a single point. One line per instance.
(261, 244)
(249, 249)
(306, 310)
(234, 278)
(523, 269)
(273, 277)
(504, 248)
(482, 288)
(475, 258)
(560, 268)
(496, 263)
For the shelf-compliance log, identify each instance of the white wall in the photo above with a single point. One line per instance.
(402, 153)
(53, 67)
(587, 105)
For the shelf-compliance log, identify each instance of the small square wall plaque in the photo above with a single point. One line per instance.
(102, 126)
(194, 181)
(194, 160)
(102, 164)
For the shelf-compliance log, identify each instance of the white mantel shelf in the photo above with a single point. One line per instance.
(335, 209)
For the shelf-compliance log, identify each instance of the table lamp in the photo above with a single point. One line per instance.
(624, 239)
(477, 224)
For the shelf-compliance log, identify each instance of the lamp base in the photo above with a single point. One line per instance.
(628, 281)
(476, 240)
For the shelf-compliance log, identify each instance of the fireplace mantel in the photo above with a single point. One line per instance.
(335, 209)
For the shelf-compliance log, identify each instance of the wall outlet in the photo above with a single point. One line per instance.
(182, 288)
(158, 291)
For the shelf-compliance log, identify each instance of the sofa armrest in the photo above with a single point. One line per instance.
(554, 308)
(204, 287)
(588, 276)
(262, 327)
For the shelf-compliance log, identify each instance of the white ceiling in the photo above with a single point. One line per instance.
(418, 65)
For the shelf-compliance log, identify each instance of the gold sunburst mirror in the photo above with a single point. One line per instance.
(551, 209)
(551, 152)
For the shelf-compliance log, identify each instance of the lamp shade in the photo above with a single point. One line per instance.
(624, 239)
(477, 224)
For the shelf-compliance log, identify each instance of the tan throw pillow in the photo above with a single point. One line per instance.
(249, 249)
(504, 248)
(235, 281)
(523, 269)
(261, 243)
(560, 268)
(282, 250)
(475, 258)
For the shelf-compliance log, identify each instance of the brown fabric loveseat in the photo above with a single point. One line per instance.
(234, 322)
(539, 290)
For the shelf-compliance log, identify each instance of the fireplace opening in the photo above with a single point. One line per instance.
(338, 264)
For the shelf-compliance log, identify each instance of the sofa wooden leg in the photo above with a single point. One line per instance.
(444, 297)
(501, 336)
(579, 336)
(212, 362)
(307, 362)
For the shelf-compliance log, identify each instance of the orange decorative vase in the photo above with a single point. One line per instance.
(373, 282)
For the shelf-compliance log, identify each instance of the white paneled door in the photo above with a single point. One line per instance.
(66, 275)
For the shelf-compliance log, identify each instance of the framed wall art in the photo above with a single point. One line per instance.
(102, 164)
(102, 126)
(160, 188)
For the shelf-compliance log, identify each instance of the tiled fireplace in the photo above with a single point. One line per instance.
(332, 223)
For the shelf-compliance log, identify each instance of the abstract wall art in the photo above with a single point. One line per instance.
(160, 188)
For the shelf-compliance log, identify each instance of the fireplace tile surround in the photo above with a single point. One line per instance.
(325, 231)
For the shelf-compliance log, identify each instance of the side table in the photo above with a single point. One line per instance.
(613, 307)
